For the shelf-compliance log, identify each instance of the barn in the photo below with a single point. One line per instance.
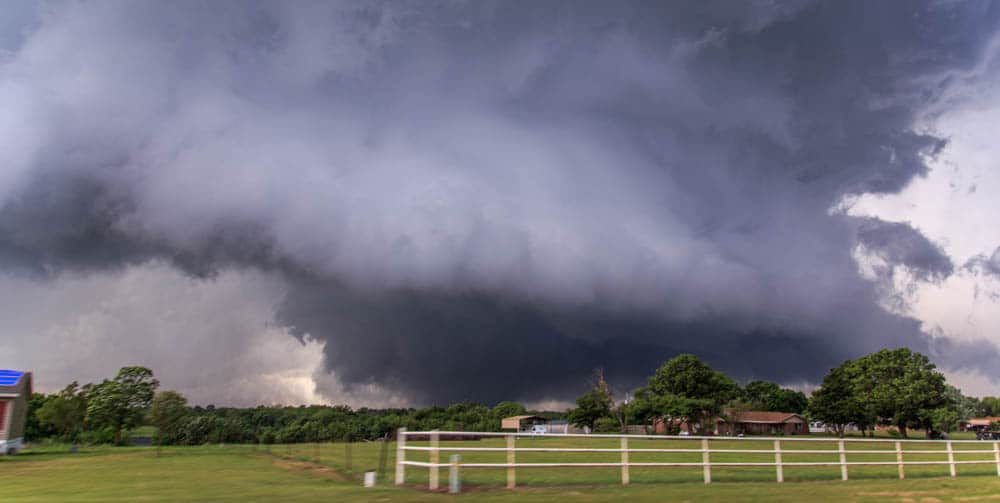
(15, 391)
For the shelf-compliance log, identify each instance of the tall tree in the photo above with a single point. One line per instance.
(167, 412)
(685, 375)
(966, 406)
(991, 406)
(837, 403)
(789, 400)
(690, 388)
(64, 413)
(941, 420)
(670, 410)
(758, 394)
(506, 409)
(768, 396)
(594, 404)
(120, 403)
(901, 386)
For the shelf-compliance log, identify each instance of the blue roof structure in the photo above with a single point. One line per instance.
(10, 377)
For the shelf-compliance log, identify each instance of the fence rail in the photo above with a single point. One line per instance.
(455, 465)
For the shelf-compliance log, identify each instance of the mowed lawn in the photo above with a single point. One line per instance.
(310, 472)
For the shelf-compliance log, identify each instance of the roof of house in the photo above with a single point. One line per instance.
(10, 377)
(11, 380)
(757, 416)
(514, 422)
(984, 421)
(521, 418)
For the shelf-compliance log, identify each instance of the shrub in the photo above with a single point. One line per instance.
(98, 436)
(606, 425)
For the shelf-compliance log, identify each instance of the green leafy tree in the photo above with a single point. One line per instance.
(788, 400)
(689, 386)
(966, 406)
(901, 386)
(606, 425)
(837, 403)
(941, 420)
(758, 394)
(120, 403)
(167, 412)
(991, 406)
(669, 409)
(505, 409)
(468, 416)
(594, 404)
(64, 413)
(34, 429)
(768, 396)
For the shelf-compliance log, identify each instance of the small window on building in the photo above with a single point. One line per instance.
(3, 414)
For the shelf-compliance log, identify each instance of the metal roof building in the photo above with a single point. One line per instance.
(15, 391)
(516, 423)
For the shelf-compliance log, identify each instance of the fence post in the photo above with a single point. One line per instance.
(996, 455)
(400, 456)
(383, 454)
(511, 482)
(899, 460)
(951, 460)
(454, 486)
(435, 473)
(777, 461)
(625, 479)
(705, 461)
(843, 460)
(348, 454)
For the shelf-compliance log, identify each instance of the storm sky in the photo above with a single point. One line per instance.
(409, 203)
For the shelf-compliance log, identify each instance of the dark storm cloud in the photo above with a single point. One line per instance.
(899, 243)
(442, 348)
(486, 200)
(56, 224)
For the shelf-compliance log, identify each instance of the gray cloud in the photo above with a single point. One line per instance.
(487, 200)
(900, 244)
(985, 265)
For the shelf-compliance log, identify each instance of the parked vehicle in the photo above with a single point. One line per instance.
(538, 429)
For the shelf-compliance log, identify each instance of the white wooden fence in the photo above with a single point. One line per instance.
(704, 446)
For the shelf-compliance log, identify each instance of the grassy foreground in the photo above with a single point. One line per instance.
(290, 473)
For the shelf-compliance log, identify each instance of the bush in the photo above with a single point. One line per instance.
(606, 425)
(104, 435)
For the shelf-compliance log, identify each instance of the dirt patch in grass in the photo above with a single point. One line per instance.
(313, 468)
(905, 494)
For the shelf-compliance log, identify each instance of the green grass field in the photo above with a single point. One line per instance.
(331, 472)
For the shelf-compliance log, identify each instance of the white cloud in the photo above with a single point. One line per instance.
(213, 340)
(956, 206)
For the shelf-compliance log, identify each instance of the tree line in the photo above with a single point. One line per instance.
(106, 411)
(897, 387)
(890, 387)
